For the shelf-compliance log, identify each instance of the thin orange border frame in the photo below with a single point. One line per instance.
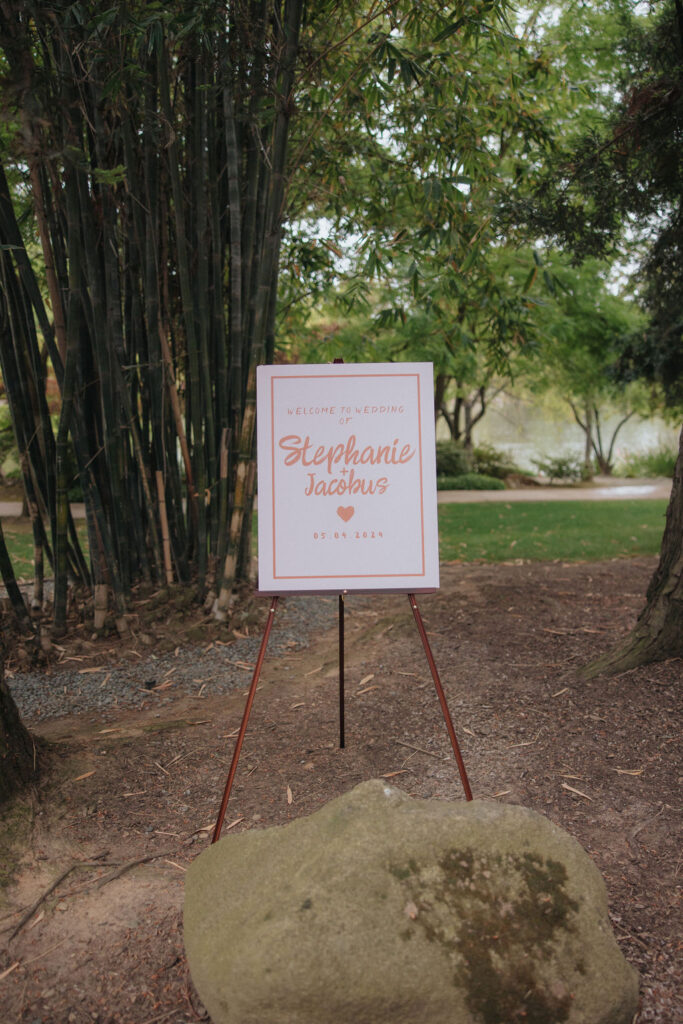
(346, 576)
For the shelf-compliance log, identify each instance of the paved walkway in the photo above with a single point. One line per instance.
(600, 489)
(12, 510)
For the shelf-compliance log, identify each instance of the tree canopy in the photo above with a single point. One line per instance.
(617, 189)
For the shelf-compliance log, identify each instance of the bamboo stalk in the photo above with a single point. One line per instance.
(235, 242)
(100, 606)
(240, 504)
(48, 260)
(11, 235)
(186, 292)
(266, 284)
(223, 497)
(164, 526)
(61, 518)
(200, 183)
(177, 412)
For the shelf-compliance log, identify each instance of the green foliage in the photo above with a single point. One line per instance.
(583, 328)
(452, 459)
(439, 273)
(7, 443)
(570, 468)
(10, 470)
(469, 482)
(417, 173)
(658, 462)
(110, 176)
(550, 530)
(618, 188)
(488, 460)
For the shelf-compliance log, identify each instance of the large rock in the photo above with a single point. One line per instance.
(380, 908)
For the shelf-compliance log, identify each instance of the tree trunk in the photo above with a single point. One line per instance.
(658, 633)
(472, 417)
(588, 445)
(17, 750)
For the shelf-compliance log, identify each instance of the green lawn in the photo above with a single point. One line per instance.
(19, 540)
(497, 531)
(18, 536)
(547, 530)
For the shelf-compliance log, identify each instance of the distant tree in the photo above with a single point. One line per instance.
(658, 633)
(400, 235)
(619, 190)
(624, 177)
(582, 330)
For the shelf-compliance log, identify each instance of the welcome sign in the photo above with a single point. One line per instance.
(347, 478)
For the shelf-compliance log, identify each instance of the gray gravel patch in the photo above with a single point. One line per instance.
(192, 670)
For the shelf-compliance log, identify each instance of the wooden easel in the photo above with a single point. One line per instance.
(257, 674)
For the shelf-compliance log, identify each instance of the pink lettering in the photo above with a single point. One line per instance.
(348, 453)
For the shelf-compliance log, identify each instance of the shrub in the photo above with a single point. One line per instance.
(488, 460)
(10, 470)
(658, 462)
(6, 432)
(452, 459)
(469, 482)
(562, 467)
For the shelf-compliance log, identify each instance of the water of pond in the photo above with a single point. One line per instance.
(526, 431)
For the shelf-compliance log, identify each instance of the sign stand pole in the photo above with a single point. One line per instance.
(245, 720)
(257, 675)
(341, 672)
(442, 697)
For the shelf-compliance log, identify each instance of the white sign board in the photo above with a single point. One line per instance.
(346, 478)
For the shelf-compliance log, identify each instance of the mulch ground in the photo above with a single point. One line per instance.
(127, 804)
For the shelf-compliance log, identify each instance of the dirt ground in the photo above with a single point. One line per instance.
(127, 804)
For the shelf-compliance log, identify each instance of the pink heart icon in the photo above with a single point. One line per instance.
(345, 512)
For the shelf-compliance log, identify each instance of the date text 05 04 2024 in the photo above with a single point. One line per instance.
(344, 535)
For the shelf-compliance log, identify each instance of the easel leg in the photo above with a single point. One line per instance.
(341, 672)
(245, 721)
(442, 697)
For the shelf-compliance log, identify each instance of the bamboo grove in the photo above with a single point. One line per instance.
(152, 144)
